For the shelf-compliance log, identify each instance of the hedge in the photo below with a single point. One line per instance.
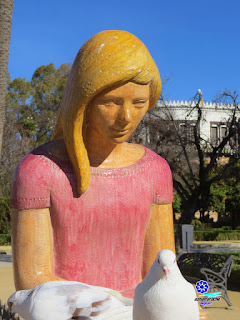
(5, 215)
(216, 234)
(5, 239)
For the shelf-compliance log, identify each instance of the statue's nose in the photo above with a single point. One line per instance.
(125, 113)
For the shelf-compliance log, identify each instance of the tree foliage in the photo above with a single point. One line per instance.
(31, 111)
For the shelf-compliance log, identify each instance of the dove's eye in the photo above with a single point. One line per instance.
(158, 261)
(10, 303)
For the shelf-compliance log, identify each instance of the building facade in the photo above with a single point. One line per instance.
(214, 123)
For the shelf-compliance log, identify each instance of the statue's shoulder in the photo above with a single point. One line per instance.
(161, 175)
(38, 173)
(39, 163)
(31, 181)
(32, 160)
(30, 170)
(53, 151)
(159, 161)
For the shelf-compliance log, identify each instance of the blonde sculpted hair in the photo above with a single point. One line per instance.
(109, 58)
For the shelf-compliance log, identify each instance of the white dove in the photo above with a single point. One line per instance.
(164, 294)
(63, 300)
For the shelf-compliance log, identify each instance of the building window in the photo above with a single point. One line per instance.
(186, 130)
(218, 132)
(214, 134)
(223, 132)
(182, 129)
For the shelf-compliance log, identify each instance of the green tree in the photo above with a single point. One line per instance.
(48, 84)
(31, 109)
(219, 190)
(233, 196)
(225, 194)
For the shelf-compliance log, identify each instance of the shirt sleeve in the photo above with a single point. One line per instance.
(163, 189)
(30, 189)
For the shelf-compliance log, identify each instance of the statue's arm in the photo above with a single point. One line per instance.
(32, 248)
(159, 234)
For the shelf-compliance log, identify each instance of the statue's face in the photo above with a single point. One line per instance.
(115, 114)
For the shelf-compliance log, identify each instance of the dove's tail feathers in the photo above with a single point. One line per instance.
(81, 312)
(88, 312)
(100, 306)
(95, 308)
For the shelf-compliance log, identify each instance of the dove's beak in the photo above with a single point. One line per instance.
(166, 271)
(10, 307)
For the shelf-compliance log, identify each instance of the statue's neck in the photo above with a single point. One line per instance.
(104, 153)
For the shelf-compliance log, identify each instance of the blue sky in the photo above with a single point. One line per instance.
(194, 43)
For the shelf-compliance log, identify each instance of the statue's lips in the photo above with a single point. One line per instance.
(121, 131)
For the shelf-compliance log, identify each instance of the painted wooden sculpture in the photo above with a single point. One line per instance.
(88, 206)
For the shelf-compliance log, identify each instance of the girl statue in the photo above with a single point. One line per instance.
(88, 206)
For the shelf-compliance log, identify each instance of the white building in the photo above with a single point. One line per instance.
(214, 120)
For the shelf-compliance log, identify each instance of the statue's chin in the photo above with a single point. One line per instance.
(119, 140)
(120, 137)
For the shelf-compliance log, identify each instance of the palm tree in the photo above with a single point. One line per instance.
(6, 8)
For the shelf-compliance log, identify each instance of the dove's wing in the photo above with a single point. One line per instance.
(61, 301)
(190, 295)
(116, 313)
(195, 308)
(138, 302)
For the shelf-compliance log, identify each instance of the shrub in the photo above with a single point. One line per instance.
(228, 236)
(216, 234)
(5, 239)
(226, 227)
(5, 216)
(177, 203)
(197, 224)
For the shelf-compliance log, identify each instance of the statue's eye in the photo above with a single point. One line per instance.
(111, 102)
(139, 103)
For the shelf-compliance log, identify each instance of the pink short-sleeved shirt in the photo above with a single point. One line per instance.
(98, 237)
